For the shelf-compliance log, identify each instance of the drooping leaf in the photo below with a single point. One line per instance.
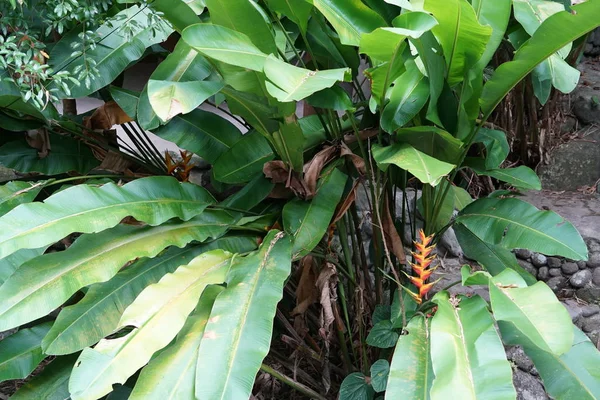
(244, 160)
(126, 99)
(356, 387)
(521, 177)
(407, 97)
(427, 169)
(297, 11)
(224, 44)
(533, 310)
(334, 98)
(513, 223)
(493, 258)
(254, 109)
(77, 326)
(180, 14)
(563, 28)
(238, 334)
(496, 146)
(51, 384)
(89, 209)
(349, 18)
(289, 83)
(201, 132)
(467, 355)
(112, 54)
(573, 375)
(382, 335)
(411, 373)
(289, 142)
(432, 141)
(307, 221)
(66, 155)
(159, 312)
(9, 264)
(172, 374)
(21, 352)
(462, 198)
(18, 192)
(495, 13)
(461, 35)
(44, 283)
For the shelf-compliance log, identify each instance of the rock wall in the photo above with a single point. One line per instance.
(592, 48)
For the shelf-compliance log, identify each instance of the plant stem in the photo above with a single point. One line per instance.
(305, 390)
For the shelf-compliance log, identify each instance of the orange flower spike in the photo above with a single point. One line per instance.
(414, 296)
(423, 290)
(425, 240)
(169, 162)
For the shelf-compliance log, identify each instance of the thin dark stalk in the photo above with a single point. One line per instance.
(305, 390)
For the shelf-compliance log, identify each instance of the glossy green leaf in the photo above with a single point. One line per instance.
(513, 223)
(573, 375)
(180, 13)
(14, 124)
(172, 374)
(427, 169)
(254, 109)
(66, 155)
(467, 355)
(112, 54)
(289, 142)
(307, 221)
(9, 264)
(411, 373)
(493, 258)
(126, 99)
(461, 35)
(77, 326)
(496, 14)
(407, 97)
(297, 11)
(335, 98)
(201, 132)
(224, 44)
(496, 146)
(158, 313)
(477, 278)
(90, 209)
(462, 198)
(562, 27)
(380, 371)
(18, 192)
(521, 177)
(382, 335)
(349, 18)
(244, 16)
(238, 334)
(250, 195)
(432, 141)
(289, 83)
(356, 387)
(51, 384)
(146, 117)
(44, 283)
(533, 310)
(244, 160)
(21, 352)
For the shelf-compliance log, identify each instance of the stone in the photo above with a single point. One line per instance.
(591, 324)
(581, 278)
(590, 310)
(590, 294)
(528, 267)
(593, 245)
(528, 387)
(450, 243)
(557, 283)
(517, 355)
(554, 262)
(596, 276)
(575, 310)
(199, 177)
(539, 260)
(584, 106)
(582, 264)
(554, 272)
(7, 333)
(543, 273)
(594, 260)
(523, 254)
(569, 268)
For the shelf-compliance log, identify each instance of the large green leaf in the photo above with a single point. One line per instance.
(573, 375)
(172, 374)
(461, 35)
(254, 109)
(66, 155)
(495, 13)
(225, 45)
(9, 264)
(496, 146)
(112, 54)
(51, 384)
(289, 142)
(350, 18)
(156, 315)
(411, 373)
(307, 221)
(21, 352)
(297, 11)
(44, 283)
(427, 169)
(244, 160)
(126, 99)
(407, 97)
(432, 141)
(244, 16)
(18, 192)
(180, 13)
(467, 355)
(563, 28)
(77, 326)
(204, 133)
(521, 177)
(89, 209)
(513, 223)
(493, 258)
(289, 83)
(238, 334)
(533, 310)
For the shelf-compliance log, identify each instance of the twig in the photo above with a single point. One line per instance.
(305, 390)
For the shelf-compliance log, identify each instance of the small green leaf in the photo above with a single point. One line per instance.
(380, 371)
(382, 335)
(356, 387)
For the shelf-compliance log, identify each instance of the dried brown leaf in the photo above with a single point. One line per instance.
(343, 208)
(326, 284)
(306, 292)
(106, 116)
(392, 238)
(312, 169)
(358, 162)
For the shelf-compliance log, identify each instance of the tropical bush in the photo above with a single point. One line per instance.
(160, 288)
